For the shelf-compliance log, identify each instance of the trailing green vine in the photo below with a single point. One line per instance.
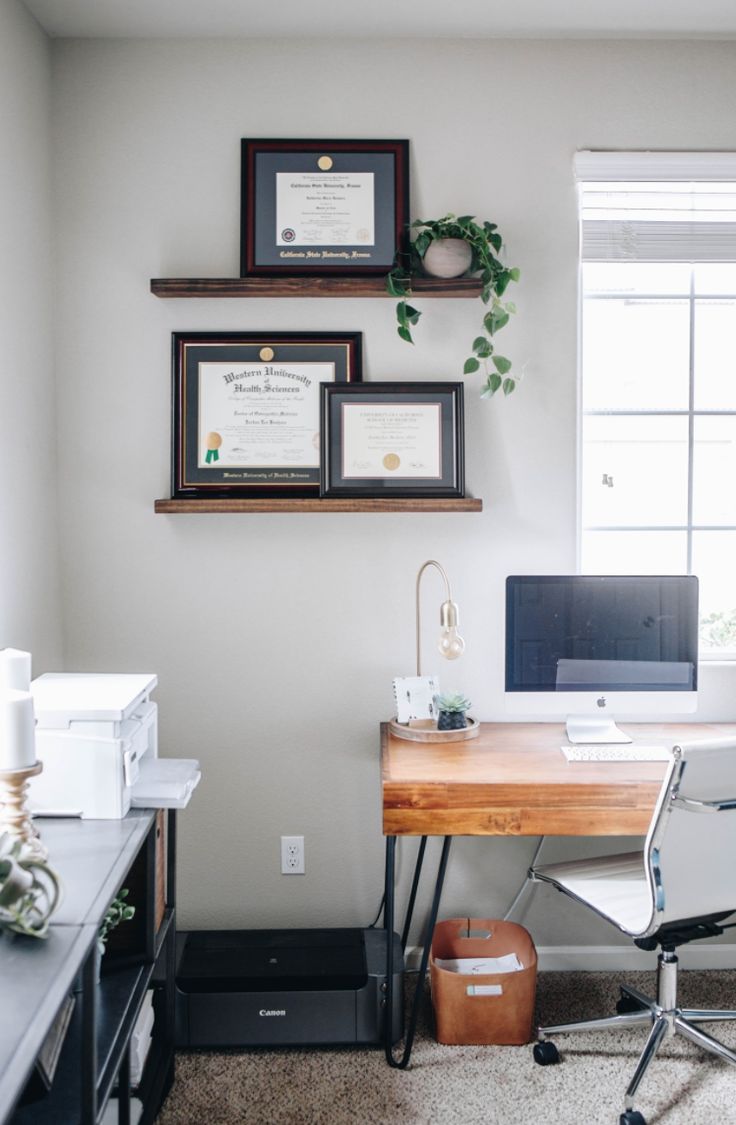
(485, 244)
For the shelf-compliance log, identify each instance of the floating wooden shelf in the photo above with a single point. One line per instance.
(289, 504)
(307, 287)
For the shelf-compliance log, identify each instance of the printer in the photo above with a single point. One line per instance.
(97, 737)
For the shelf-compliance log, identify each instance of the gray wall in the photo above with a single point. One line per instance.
(29, 597)
(275, 637)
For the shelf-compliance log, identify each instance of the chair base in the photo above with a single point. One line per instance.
(664, 1019)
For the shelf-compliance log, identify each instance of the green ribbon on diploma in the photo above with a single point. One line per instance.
(212, 455)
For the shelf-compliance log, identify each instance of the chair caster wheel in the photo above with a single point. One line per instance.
(628, 1004)
(631, 1117)
(546, 1054)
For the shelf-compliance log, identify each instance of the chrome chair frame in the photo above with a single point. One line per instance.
(662, 1015)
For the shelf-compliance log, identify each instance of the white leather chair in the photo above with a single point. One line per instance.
(679, 888)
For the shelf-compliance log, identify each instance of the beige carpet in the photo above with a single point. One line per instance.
(475, 1085)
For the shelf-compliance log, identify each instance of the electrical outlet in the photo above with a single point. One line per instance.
(292, 855)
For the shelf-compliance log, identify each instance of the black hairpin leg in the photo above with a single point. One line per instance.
(413, 894)
(402, 1062)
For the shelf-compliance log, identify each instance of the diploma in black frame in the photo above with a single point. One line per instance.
(393, 439)
(323, 207)
(246, 409)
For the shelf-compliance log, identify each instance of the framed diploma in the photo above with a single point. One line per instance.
(393, 439)
(323, 207)
(246, 409)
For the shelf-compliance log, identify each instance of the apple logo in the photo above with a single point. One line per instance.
(602, 701)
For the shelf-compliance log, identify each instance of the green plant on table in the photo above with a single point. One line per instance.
(485, 244)
(453, 702)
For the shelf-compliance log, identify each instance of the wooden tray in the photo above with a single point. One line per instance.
(427, 732)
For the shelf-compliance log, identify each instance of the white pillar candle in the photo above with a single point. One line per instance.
(15, 670)
(17, 731)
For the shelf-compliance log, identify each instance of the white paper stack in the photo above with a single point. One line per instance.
(110, 1116)
(509, 963)
(141, 1039)
(165, 783)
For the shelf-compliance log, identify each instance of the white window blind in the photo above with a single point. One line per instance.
(657, 207)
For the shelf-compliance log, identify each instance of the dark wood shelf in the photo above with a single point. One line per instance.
(287, 504)
(307, 287)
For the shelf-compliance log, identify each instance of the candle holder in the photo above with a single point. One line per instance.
(15, 818)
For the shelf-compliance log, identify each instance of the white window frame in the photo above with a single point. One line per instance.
(717, 243)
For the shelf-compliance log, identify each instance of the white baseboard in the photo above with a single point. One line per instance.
(611, 958)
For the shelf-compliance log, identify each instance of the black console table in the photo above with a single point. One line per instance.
(95, 859)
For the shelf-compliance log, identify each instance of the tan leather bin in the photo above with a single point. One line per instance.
(464, 1016)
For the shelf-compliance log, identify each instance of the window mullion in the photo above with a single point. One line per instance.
(691, 425)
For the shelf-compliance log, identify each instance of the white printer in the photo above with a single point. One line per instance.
(97, 737)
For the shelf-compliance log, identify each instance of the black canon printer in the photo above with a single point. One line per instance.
(269, 988)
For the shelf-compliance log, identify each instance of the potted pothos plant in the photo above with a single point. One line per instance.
(475, 248)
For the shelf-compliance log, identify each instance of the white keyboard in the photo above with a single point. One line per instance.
(616, 752)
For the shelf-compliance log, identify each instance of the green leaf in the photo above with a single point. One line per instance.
(421, 243)
(401, 313)
(496, 242)
(502, 281)
(508, 386)
(405, 334)
(501, 364)
(412, 314)
(396, 287)
(484, 348)
(471, 365)
(510, 307)
(515, 273)
(494, 382)
(495, 320)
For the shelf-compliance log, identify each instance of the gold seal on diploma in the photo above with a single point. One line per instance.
(214, 441)
(266, 354)
(324, 163)
(391, 461)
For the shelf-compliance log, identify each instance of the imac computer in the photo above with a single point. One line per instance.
(590, 647)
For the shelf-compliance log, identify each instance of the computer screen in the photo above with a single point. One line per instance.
(590, 645)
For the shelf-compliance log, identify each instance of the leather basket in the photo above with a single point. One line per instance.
(465, 1016)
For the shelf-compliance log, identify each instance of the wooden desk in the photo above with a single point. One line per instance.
(513, 780)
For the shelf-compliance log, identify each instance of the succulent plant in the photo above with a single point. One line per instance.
(452, 702)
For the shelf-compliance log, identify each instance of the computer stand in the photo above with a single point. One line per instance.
(594, 728)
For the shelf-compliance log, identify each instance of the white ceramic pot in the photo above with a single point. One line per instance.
(447, 257)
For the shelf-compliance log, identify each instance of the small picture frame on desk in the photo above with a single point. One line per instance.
(393, 439)
(329, 207)
(246, 409)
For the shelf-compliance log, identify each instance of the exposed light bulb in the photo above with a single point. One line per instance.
(451, 643)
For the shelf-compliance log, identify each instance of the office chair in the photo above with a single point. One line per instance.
(678, 889)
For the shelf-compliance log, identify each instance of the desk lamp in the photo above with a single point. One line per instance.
(451, 644)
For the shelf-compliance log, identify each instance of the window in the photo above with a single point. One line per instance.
(658, 374)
